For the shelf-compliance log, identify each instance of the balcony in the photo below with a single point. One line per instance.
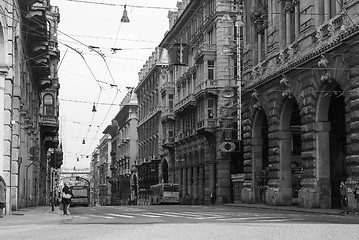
(49, 121)
(187, 102)
(168, 142)
(206, 125)
(206, 49)
(167, 86)
(167, 114)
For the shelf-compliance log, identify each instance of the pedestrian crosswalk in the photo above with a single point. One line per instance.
(192, 215)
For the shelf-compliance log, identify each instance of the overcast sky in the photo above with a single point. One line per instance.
(87, 78)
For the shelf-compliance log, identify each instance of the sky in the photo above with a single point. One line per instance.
(101, 76)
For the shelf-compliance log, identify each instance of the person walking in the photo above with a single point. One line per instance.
(356, 196)
(343, 198)
(2, 196)
(66, 196)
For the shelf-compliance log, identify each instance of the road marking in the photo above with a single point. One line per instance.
(165, 215)
(99, 216)
(120, 215)
(79, 216)
(146, 215)
(243, 218)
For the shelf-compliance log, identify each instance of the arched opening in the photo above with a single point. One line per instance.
(337, 143)
(331, 145)
(260, 156)
(296, 151)
(164, 168)
(290, 144)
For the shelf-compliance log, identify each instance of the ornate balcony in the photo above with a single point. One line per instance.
(206, 49)
(188, 102)
(167, 114)
(168, 142)
(167, 86)
(206, 125)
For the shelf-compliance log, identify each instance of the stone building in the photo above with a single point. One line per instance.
(104, 172)
(152, 168)
(203, 73)
(300, 101)
(124, 151)
(28, 100)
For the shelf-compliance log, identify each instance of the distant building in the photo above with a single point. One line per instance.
(104, 172)
(124, 151)
(202, 75)
(152, 167)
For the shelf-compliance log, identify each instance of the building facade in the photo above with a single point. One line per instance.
(94, 178)
(203, 69)
(299, 100)
(150, 164)
(28, 100)
(124, 152)
(104, 171)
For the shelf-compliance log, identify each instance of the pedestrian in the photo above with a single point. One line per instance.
(356, 196)
(344, 198)
(66, 196)
(2, 195)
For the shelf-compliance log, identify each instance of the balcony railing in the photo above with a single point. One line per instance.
(188, 101)
(50, 121)
(207, 124)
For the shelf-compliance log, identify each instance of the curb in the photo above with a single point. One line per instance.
(289, 209)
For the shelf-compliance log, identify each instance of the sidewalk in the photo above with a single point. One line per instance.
(34, 215)
(288, 208)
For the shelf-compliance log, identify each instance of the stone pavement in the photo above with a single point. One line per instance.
(45, 215)
(35, 215)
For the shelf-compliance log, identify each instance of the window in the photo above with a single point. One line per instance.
(48, 105)
(210, 69)
(210, 108)
(170, 101)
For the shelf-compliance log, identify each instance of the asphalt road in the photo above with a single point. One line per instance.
(198, 214)
(183, 222)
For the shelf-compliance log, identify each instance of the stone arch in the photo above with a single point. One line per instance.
(164, 170)
(289, 146)
(259, 155)
(331, 142)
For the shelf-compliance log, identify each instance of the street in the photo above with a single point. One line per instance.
(186, 222)
(198, 214)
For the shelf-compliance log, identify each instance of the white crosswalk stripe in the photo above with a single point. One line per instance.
(120, 215)
(194, 215)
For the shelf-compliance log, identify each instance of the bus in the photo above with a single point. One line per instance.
(81, 195)
(165, 193)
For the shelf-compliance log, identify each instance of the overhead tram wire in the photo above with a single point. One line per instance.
(117, 34)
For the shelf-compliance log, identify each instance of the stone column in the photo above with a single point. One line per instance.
(288, 22)
(257, 155)
(285, 168)
(296, 18)
(184, 181)
(195, 184)
(323, 164)
(189, 181)
(223, 180)
(201, 195)
(326, 10)
(3, 73)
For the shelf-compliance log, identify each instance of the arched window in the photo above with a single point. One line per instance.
(48, 105)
